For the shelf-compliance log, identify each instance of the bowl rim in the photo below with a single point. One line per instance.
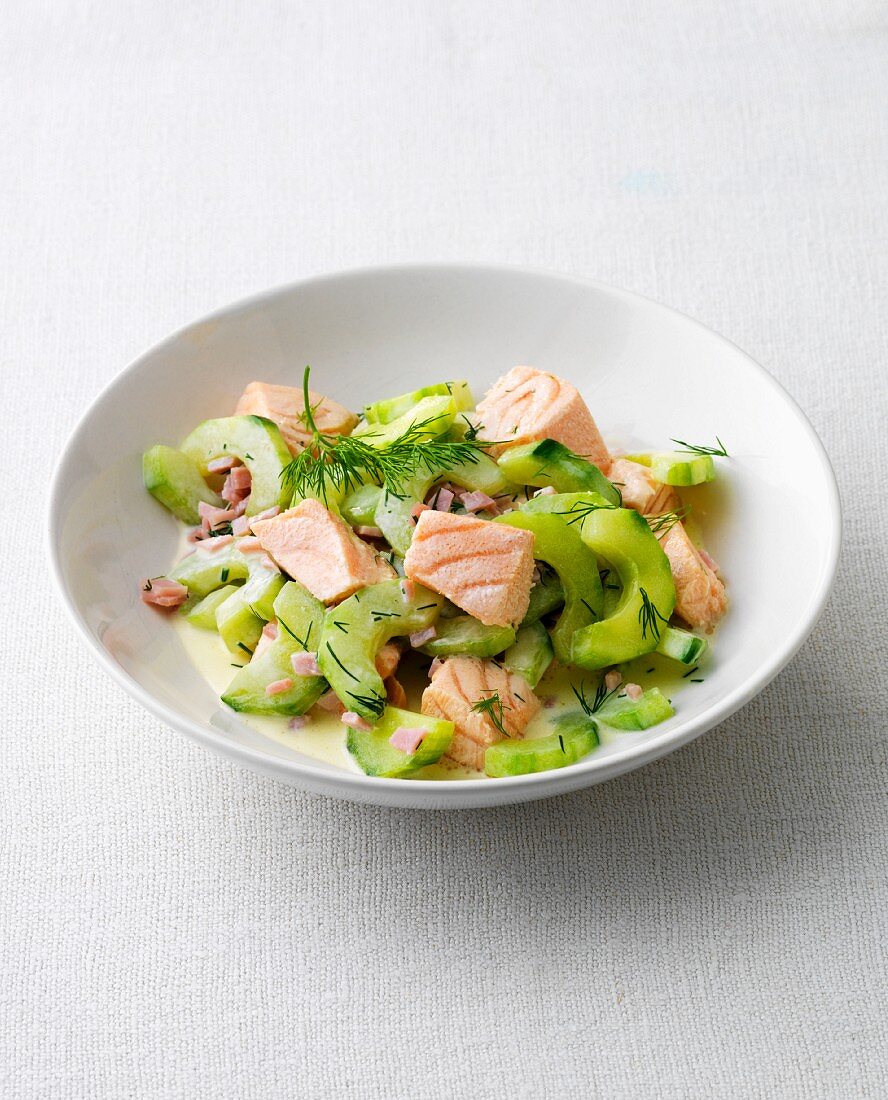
(515, 788)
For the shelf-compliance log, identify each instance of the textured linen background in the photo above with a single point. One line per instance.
(711, 926)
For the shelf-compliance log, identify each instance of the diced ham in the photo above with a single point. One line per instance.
(195, 534)
(215, 517)
(278, 687)
(240, 526)
(249, 544)
(408, 589)
(407, 738)
(476, 501)
(550, 701)
(613, 679)
(420, 637)
(484, 568)
(442, 500)
(365, 531)
(349, 718)
(320, 550)
(527, 404)
(634, 691)
(211, 545)
(240, 507)
(418, 508)
(330, 702)
(298, 722)
(268, 635)
(387, 659)
(266, 514)
(237, 485)
(223, 465)
(162, 592)
(285, 405)
(305, 664)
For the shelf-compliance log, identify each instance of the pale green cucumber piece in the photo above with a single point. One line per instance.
(393, 513)
(545, 596)
(681, 645)
(466, 635)
(359, 506)
(389, 409)
(174, 478)
(575, 736)
(205, 570)
(241, 617)
(577, 567)
(377, 756)
(637, 714)
(203, 613)
(435, 414)
(354, 632)
(531, 654)
(571, 507)
(257, 442)
(640, 459)
(623, 539)
(678, 468)
(300, 617)
(551, 463)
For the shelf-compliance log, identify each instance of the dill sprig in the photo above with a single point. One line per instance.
(601, 696)
(649, 617)
(344, 462)
(493, 707)
(581, 509)
(662, 524)
(373, 702)
(694, 449)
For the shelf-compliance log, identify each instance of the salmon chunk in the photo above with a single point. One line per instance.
(387, 659)
(484, 568)
(700, 597)
(461, 682)
(285, 405)
(639, 489)
(529, 404)
(320, 550)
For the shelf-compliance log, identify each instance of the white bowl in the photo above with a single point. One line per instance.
(772, 519)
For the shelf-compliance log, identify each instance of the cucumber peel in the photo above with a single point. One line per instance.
(549, 462)
(681, 645)
(531, 654)
(465, 635)
(391, 408)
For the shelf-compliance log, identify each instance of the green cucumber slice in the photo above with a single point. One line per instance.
(678, 468)
(435, 414)
(624, 540)
(174, 478)
(241, 617)
(391, 408)
(354, 632)
(376, 756)
(551, 463)
(359, 506)
(465, 635)
(257, 442)
(207, 569)
(575, 736)
(545, 596)
(637, 714)
(681, 645)
(300, 617)
(203, 613)
(531, 654)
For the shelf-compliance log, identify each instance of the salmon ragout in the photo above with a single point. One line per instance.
(387, 577)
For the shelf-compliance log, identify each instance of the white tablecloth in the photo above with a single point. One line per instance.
(713, 925)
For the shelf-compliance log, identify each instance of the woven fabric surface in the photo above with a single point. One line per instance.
(711, 925)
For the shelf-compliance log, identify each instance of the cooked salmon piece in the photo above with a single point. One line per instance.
(458, 684)
(639, 489)
(395, 694)
(529, 404)
(387, 659)
(321, 551)
(483, 567)
(285, 405)
(700, 597)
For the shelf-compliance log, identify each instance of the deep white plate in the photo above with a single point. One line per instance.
(772, 519)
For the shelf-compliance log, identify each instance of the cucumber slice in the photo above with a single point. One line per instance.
(467, 636)
(241, 617)
(206, 569)
(384, 412)
(575, 736)
(681, 645)
(641, 459)
(637, 714)
(551, 463)
(572, 507)
(531, 654)
(393, 513)
(624, 540)
(203, 613)
(677, 468)
(300, 617)
(354, 632)
(435, 414)
(359, 506)
(174, 479)
(545, 596)
(376, 756)
(257, 442)
(577, 567)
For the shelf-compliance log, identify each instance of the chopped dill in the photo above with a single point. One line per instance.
(224, 575)
(561, 742)
(341, 665)
(601, 696)
(233, 665)
(374, 703)
(340, 626)
(580, 510)
(692, 448)
(493, 707)
(699, 680)
(649, 617)
(588, 607)
(426, 606)
(690, 672)
(288, 630)
(659, 525)
(245, 648)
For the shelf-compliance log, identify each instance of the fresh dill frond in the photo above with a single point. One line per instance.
(692, 448)
(493, 707)
(374, 703)
(581, 509)
(600, 698)
(344, 462)
(649, 617)
(662, 524)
